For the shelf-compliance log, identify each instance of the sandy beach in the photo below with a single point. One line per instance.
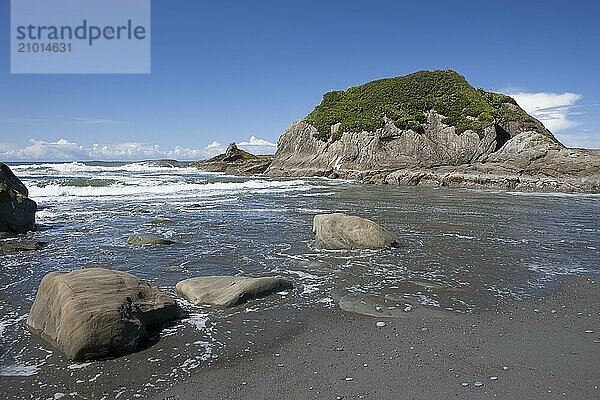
(548, 347)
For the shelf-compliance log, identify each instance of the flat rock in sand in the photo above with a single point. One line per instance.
(371, 305)
(95, 312)
(228, 291)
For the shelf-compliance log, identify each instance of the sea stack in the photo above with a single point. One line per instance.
(235, 162)
(431, 128)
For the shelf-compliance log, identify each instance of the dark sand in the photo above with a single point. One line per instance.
(542, 348)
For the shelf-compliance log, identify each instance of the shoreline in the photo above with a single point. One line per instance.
(536, 348)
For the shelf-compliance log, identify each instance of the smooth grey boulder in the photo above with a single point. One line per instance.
(17, 211)
(147, 239)
(339, 231)
(95, 312)
(228, 291)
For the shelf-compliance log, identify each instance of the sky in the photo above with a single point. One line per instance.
(244, 71)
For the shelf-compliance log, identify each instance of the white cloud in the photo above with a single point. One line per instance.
(556, 110)
(553, 109)
(62, 149)
(253, 145)
(254, 141)
(214, 145)
(65, 150)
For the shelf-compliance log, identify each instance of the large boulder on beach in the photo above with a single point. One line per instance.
(339, 231)
(228, 291)
(17, 211)
(147, 239)
(95, 312)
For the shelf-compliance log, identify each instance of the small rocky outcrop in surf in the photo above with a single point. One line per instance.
(228, 291)
(17, 211)
(20, 243)
(431, 128)
(162, 163)
(95, 312)
(148, 239)
(235, 162)
(347, 232)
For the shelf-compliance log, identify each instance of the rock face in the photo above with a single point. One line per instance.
(527, 162)
(17, 211)
(235, 162)
(347, 232)
(510, 151)
(95, 312)
(147, 239)
(228, 291)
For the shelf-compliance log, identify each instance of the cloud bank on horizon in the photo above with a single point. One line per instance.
(64, 150)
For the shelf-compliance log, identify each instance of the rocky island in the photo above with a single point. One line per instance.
(235, 162)
(431, 128)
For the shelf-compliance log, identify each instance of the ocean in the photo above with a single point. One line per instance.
(460, 251)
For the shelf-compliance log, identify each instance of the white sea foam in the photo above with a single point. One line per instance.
(459, 236)
(13, 319)
(79, 365)
(163, 189)
(198, 321)
(79, 167)
(19, 370)
(552, 194)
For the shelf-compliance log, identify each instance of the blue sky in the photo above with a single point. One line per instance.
(229, 71)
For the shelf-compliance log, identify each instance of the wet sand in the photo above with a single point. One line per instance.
(547, 347)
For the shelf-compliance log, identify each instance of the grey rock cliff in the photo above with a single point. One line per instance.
(511, 156)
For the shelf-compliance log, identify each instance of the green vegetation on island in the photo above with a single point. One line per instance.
(406, 99)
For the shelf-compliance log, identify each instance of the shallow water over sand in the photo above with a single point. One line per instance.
(460, 250)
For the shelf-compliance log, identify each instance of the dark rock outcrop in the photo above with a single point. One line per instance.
(510, 151)
(235, 162)
(17, 211)
(96, 312)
